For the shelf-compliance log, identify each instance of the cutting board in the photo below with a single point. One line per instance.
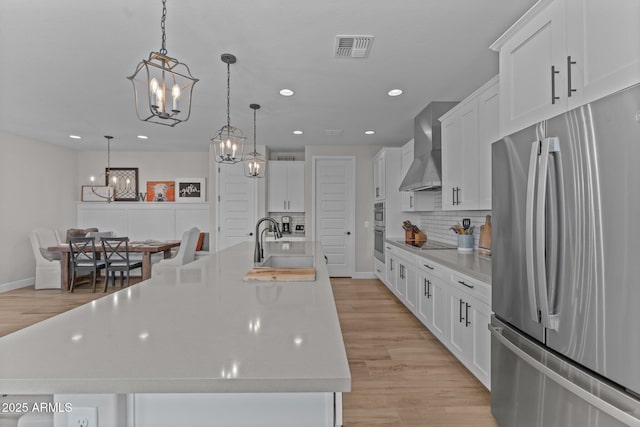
(484, 244)
(268, 274)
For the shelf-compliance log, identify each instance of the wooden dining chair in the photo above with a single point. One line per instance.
(83, 259)
(116, 257)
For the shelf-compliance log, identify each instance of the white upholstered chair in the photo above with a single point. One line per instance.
(186, 253)
(47, 264)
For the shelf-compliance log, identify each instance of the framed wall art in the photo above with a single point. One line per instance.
(161, 191)
(126, 184)
(191, 190)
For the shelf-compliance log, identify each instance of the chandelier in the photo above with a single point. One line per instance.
(110, 182)
(229, 140)
(162, 86)
(255, 164)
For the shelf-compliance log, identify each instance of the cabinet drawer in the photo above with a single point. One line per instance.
(389, 249)
(471, 287)
(428, 267)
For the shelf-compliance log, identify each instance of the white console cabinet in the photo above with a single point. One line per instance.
(144, 220)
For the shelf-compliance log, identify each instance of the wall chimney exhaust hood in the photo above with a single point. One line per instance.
(425, 171)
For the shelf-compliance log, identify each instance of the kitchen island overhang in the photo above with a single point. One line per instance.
(199, 329)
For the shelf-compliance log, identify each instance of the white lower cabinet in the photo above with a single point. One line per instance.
(455, 308)
(379, 269)
(407, 282)
(469, 337)
(432, 299)
(391, 266)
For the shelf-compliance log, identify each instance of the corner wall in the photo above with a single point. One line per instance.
(38, 183)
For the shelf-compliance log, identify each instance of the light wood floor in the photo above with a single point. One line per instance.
(401, 374)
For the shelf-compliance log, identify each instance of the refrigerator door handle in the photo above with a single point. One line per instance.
(619, 414)
(547, 146)
(529, 222)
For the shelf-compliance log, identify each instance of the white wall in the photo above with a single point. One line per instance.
(364, 195)
(38, 183)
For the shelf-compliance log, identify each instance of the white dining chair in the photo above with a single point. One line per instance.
(48, 264)
(186, 252)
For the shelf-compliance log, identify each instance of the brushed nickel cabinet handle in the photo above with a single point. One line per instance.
(554, 98)
(569, 64)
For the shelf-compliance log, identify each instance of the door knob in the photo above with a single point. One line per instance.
(348, 233)
(249, 234)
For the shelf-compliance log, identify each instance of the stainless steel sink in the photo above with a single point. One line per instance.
(288, 261)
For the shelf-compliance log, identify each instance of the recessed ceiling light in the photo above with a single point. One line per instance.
(369, 132)
(297, 132)
(286, 92)
(143, 137)
(395, 92)
(75, 137)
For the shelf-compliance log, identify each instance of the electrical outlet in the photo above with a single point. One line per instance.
(83, 417)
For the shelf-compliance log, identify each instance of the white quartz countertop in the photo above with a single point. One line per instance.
(471, 264)
(201, 329)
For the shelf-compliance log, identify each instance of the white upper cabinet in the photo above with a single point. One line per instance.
(603, 45)
(468, 130)
(414, 201)
(285, 186)
(379, 169)
(488, 133)
(565, 53)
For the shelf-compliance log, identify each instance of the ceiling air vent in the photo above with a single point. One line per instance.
(353, 46)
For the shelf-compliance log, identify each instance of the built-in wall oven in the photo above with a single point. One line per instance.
(378, 230)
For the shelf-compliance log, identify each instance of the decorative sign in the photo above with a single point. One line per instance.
(190, 190)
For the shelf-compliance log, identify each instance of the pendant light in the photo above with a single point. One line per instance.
(162, 86)
(255, 164)
(228, 142)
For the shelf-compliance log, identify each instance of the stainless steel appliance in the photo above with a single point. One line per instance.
(378, 230)
(566, 268)
(286, 224)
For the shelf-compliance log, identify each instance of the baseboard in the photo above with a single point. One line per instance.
(364, 275)
(4, 287)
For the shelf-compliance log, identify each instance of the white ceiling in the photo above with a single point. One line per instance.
(64, 67)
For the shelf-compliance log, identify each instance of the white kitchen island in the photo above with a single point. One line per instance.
(199, 347)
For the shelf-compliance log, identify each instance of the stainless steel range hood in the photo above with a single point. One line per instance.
(425, 171)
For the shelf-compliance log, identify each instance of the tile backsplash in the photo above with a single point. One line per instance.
(436, 224)
(297, 218)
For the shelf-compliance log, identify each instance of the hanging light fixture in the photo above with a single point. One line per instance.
(255, 164)
(106, 192)
(229, 140)
(163, 86)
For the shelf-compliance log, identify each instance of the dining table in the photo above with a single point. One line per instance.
(147, 248)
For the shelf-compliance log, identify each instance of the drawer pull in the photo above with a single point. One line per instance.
(428, 266)
(465, 284)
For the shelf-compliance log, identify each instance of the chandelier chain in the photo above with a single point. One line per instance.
(163, 51)
(228, 95)
(254, 131)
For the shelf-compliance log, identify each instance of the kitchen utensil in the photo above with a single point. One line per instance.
(484, 245)
(466, 223)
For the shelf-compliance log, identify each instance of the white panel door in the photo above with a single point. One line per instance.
(236, 206)
(334, 213)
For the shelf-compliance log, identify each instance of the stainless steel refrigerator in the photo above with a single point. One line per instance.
(565, 346)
